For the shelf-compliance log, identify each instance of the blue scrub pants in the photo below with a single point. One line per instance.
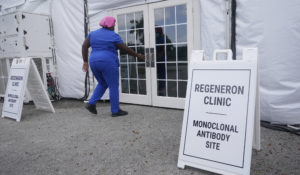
(107, 75)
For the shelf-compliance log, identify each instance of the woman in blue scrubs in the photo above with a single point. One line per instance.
(104, 63)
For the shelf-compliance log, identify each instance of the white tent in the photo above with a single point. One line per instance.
(273, 26)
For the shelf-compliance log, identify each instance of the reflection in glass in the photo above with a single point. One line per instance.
(123, 36)
(161, 70)
(172, 89)
(182, 88)
(171, 53)
(130, 21)
(121, 22)
(181, 14)
(130, 37)
(170, 15)
(142, 51)
(182, 71)
(124, 71)
(159, 35)
(123, 58)
(182, 52)
(159, 17)
(133, 86)
(181, 33)
(171, 70)
(160, 53)
(170, 34)
(142, 87)
(139, 20)
(124, 84)
(161, 88)
(141, 71)
(130, 57)
(132, 71)
(140, 37)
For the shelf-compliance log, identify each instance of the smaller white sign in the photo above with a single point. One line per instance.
(218, 120)
(17, 85)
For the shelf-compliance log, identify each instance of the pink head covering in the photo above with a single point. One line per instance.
(108, 21)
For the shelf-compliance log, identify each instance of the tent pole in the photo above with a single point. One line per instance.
(233, 31)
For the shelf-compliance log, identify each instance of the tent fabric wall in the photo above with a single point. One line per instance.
(274, 27)
(37, 6)
(213, 26)
(68, 27)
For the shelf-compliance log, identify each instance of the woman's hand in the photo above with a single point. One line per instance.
(141, 56)
(85, 66)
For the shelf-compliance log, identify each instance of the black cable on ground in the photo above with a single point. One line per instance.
(280, 127)
(86, 30)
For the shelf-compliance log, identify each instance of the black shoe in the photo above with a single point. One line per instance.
(119, 113)
(91, 108)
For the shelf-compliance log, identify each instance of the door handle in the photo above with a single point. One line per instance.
(148, 58)
(149, 54)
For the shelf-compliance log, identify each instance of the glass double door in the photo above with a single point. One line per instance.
(160, 31)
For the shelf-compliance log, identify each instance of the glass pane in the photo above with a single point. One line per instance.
(160, 53)
(130, 21)
(170, 34)
(171, 53)
(130, 37)
(130, 57)
(123, 58)
(141, 50)
(159, 35)
(124, 71)
(124, 84)
(161, 88)
(182, 71)
(182, 88)
(141, 71)
(140, 37)
(170, 15)
(181, 14)
(133, 86)
(161, 71)
(139, 20)
(123, 36)
(182, 52)
(121, 22)
(159, 17)
(172, 89)
(181, 33)
(132, 71)
(171, 67)
(142, 87)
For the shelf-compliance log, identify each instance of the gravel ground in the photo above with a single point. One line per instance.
(74, 142)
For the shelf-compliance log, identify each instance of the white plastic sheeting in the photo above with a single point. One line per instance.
(68, 27)
(36, 6)
(273, 26)
(213, 26)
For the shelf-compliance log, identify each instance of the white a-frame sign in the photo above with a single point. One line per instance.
(24, 75)
(219, 117)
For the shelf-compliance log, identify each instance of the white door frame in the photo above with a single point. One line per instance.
(149, 38)
(161, 101)
(136, 98)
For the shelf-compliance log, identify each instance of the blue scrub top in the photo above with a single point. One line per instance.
(103, 43)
